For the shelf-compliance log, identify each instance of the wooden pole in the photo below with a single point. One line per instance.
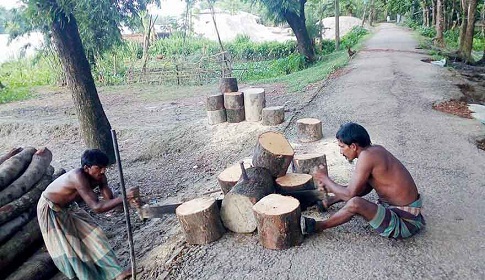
(125, 205)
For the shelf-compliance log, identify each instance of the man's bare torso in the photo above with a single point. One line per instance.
(63, 190)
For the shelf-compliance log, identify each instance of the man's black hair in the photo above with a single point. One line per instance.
(94, 157)
(353, 133)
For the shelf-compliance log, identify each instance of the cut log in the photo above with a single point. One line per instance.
(278, 222)
(309, 130)
(228, 85)
(254, 102)
(294, 182)
(273, 115)
(38, 267)
(10, 228)
(200, 220)
(16, 249)
(273, 152)
(230, 176)
(233, 100)
(215, 102)
(216, 117)
(12, 168)
(306, 163)
(307, 198)
(237, 206)
(10, 154)
(235, 115)
(37, 168)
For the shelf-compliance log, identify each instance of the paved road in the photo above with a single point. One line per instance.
(389, 91)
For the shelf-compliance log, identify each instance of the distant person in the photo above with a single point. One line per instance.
(397, 213)
(77, 245)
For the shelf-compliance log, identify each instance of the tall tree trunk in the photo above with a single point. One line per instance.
(438, 40)
(433, 12)
(464, 23)
(425, 12)
(371, 12)
(297, 24)
(146, 40)
(470, 28)
(95, 127)
(337, 25)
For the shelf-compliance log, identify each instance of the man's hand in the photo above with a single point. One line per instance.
(320, 174)
(133, 197)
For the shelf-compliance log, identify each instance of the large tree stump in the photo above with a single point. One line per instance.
(309, 130)
(273, 152)
(278, 221)
(233, 100)
(235, 115)
(215, 102)
(294, 182)
(200, 220)
(230, 176)
(254, 102)
(228, 85)
(237, 206)
(273, 115)
(215, 117)
(10, 154)
(306, 163)
(13, 167)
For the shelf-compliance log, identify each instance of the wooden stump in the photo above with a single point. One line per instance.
(200, 220)
(235, 115)
(273, 152)
(230, 176)
(309, 130)
(13, 167)
(237, 206)
(294, 182)
(278, 222)
(273, 115)
(254, 102)
(214, 102)
(215, 117)
(233, 100)
(228, 85)
(307, 162)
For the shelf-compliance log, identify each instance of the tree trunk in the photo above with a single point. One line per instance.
(433, 12)
(12, 168)
(470, 28)
(10, 154)
(337, 25)
(297, 24)
(463, 26)
(94, 125)
(438, 40)
(371, 12)
(39, 266)
(273, 152)
(146, 41)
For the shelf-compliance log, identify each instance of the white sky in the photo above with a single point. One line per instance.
(8, 4)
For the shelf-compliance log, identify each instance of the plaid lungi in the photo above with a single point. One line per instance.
(75, 242)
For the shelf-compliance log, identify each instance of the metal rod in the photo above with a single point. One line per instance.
(125, 205)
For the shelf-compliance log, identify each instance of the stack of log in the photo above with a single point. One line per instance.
(24, 174)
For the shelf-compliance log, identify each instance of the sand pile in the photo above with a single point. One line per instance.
(345, 24)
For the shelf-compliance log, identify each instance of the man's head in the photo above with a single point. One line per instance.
(352, 138)
(94, 163)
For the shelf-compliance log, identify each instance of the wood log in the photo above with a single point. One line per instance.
(228, 84)
(230, 176)
(278, 222)
(10, 228)
(237, 206)
(273, 115)
(16, 249)
(233, 100)
(294, 182)
(235, 115)
(216, 117)
(200, 220)
(37, 167)
(273, 152)
(306, 163)
(214, 102)
(309, 129)
(254, 102)
(10, 154)
(38, 267)
(12, 168)
(307, 198)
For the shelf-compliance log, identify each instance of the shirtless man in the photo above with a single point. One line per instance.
(397, 213)
(75, 242)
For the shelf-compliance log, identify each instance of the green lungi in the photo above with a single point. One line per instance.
(76, 243)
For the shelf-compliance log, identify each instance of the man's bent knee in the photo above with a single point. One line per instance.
(355, 204)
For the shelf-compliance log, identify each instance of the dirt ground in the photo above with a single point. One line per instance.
(169, 150)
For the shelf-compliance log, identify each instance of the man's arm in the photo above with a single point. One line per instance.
(91, 199)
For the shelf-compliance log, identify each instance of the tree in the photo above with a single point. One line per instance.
(467, 30)
(438, 40)
(337, 25)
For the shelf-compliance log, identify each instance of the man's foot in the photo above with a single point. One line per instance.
(308, 225)
(124, 275)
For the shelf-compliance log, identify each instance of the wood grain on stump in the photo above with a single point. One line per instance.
(305, 163)
(278, 220)
(230, 176)
(214, 102)
(233, 100)
(235, 115)
(309, 129)
(215, 117)
(254, 102)
(200, 220)
(273, 115)
(294, 182)
(228, 84)
(274, 152)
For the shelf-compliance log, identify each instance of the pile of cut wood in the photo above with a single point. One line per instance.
(24, 175)
(234, 105)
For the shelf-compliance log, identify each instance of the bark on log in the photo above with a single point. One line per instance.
(278, 222)
(309, 130)
(254, 102)
(235, 115)
(38, 267)
(216, 117)
(230, 176)
(37, 168)
(237, 206)
(233, 100)
(294, 182)
(228, 85)
(10, 228)
(273, 115)
(273, 152)
(200, 220)
(305, 163)
(12, 168)
(215, 102)
(307, 198)
(10, 154)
